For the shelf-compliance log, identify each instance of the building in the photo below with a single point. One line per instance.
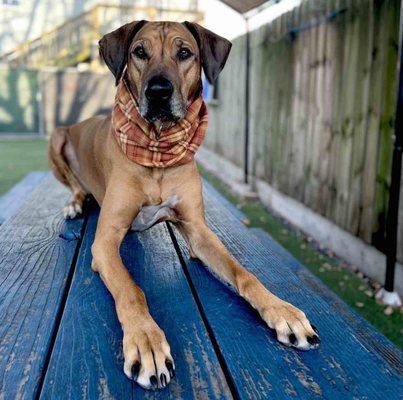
(46, 32)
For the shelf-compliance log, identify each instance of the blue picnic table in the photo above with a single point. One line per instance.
(60, 337)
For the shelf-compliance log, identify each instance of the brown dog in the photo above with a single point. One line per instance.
(157, 60)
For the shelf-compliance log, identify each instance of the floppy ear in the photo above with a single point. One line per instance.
(214, 50)
(114, 46)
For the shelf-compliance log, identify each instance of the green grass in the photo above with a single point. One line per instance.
(18, 157)
(358, 294)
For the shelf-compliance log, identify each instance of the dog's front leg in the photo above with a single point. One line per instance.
(291, 325)
(146, 351)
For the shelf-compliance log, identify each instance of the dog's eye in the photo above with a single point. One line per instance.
(184, 54)
(140, 53)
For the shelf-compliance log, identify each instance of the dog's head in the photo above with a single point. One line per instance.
(163, 62)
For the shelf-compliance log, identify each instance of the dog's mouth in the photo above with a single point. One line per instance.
(160, 112)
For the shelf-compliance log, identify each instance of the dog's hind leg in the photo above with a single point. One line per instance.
(62, 160)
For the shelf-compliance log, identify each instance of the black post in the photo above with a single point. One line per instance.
(394, 192)
(247, 93)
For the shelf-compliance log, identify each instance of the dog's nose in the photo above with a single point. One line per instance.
(159, 88)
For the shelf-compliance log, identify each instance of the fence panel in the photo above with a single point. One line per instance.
(19, 101)
(323, 87)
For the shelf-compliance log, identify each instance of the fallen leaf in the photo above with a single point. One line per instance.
(327, 266)
(359, 304)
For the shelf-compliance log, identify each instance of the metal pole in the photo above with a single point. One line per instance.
(247, 97)
(394, 192)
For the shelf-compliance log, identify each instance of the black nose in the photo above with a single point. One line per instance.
(159, 88)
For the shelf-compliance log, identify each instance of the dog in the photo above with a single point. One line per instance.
(160, 64)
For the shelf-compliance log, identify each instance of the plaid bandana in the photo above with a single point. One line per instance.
(141, 144)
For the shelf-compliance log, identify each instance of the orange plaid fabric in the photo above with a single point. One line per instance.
(138, 140)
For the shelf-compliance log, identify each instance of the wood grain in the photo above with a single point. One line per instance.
(36, 252)
(13, 199)
(353, 362)
(87, 361)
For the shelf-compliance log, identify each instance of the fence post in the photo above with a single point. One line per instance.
(247, 98)
(388, 295)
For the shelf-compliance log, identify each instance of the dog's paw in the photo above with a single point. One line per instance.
(73, 209)
(147, 354)
(291, 325)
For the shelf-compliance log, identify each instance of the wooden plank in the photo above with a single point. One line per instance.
(37, 249)
(353, 361)
(13, 199)
(87, 359)
(238, 214)
(270, 244)
(363, 75)
(368, 219)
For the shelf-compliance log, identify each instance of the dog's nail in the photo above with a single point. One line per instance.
(163, 380)
(170, 367)
(315, 329)
(313, 339)
(135, 370)
(154, 382)
(292, 338)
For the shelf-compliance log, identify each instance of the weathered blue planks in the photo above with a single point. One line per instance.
(87, 361)
(35, 261)
(271, 245)
(217, 196)
(15, 197)
(77, 344)
(353, 361)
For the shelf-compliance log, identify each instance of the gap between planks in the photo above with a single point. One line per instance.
(216, 347)
(61, 308)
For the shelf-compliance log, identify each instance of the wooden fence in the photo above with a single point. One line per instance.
(19, 101)
(323, 85)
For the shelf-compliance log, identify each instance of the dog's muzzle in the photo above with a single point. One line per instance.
(159, 92)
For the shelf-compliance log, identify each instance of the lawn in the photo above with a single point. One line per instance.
(18, 157)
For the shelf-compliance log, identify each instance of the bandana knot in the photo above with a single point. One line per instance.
(137, 137)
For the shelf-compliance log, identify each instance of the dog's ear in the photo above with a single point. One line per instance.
(214, 50)
(114, 46)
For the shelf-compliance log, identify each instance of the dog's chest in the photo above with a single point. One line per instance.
(152, 214)
(161, 200)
